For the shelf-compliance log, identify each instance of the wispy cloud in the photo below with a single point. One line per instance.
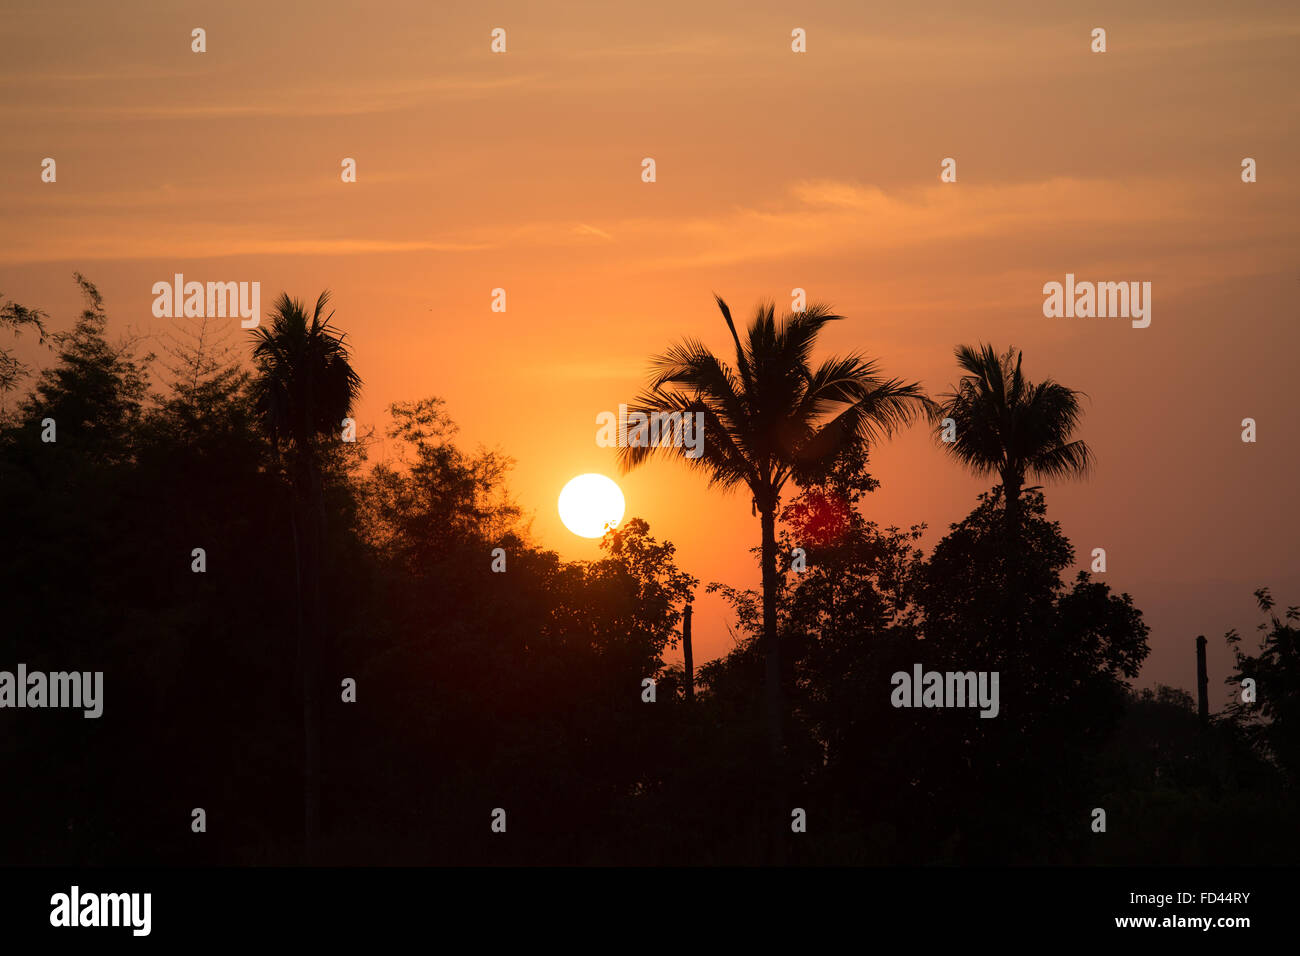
(340, 99)
(217, 247)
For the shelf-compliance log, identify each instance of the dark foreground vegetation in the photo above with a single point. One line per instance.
(478, 689)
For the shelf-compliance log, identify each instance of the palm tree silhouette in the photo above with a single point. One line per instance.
(305, 386)
(770, 419)
(1008, 426)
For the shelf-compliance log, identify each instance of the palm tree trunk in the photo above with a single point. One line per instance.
(311, 756)
(1011, 491)
(775, 698)
(770, 638)
(299, 576)
(309, 645)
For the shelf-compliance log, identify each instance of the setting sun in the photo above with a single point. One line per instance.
(589, 504)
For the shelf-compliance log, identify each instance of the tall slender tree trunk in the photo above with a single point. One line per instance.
(1011, 492)
(771, 643)
(309, 597)
(1011, 486)
(774, 825)
(300, 547)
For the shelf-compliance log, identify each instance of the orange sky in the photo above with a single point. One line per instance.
(775, 170)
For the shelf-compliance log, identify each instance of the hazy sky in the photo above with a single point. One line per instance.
(774, 170)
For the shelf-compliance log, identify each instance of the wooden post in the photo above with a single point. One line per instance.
(686, 651)
(1202, 681)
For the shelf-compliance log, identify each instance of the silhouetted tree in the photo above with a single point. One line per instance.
(1272, 720)
(305, 387)
(16, 318)
(524, 689)
(1011, 427)
(1064, 655)
(96, 392)
(772, 418)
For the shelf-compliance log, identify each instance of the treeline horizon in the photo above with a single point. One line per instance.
(489, 674)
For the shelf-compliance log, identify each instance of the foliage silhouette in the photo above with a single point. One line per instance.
(305, 386)
(771, 419)
(1011, 427)
(523, 689)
